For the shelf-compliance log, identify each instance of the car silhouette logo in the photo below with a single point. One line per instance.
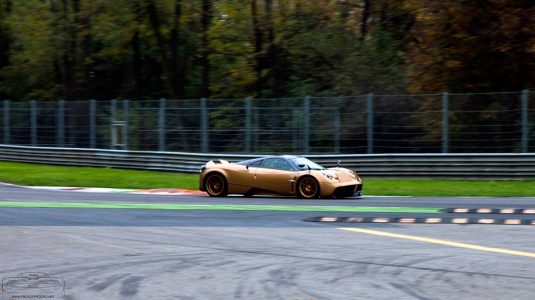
(33, 285)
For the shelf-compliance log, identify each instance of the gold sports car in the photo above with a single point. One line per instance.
(278, 175)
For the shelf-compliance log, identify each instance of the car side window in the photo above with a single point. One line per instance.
(256, 164)
(277, 164)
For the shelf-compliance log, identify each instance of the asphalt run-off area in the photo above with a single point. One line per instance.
(244, 207)
(161, 245)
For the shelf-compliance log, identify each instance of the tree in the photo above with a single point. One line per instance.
(31, 70)
(471, 46)
(177, 60)
(5, 39)
(474, 46)
(206, 20)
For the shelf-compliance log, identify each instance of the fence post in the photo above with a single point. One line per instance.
(525, 127)
(256, 130)
(248, 124)
(204, 126)
(6, 122)
(92, 124)
(445, 122)
(113, 112)
(295, 130)
(161, 125)
(33, 122)
(337, 129)
(61, 123)
(306, 125)
(369, 100)
(125, 130)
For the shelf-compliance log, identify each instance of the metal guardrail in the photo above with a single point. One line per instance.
(497, 166)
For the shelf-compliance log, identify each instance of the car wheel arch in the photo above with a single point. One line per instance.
(212, 172)
(217, 173)
(299, 181)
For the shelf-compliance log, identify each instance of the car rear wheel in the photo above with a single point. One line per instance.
(216, 185)
(308, 188)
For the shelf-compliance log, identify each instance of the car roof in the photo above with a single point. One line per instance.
(284, 156)
(270, 156)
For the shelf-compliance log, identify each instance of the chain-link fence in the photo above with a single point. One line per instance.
(434, 123)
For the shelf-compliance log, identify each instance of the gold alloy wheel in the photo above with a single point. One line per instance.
(308, 188)
(216, 186)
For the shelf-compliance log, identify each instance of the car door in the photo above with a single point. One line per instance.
(243, 177)
(276, 175)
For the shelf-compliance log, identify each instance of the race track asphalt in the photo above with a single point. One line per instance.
(138, 253)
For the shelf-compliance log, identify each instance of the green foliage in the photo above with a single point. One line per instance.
(147, 49)
(32, 51)
(377, 64)
(472, 46)
(82, 49)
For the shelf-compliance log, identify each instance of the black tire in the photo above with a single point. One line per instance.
(308, 188)
(216, 185)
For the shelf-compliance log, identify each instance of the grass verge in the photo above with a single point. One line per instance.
(36, 174)
(46, 175)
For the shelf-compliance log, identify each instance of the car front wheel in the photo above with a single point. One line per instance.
(216, 185)
(308, 188)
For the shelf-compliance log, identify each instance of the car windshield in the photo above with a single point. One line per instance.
(304, 162)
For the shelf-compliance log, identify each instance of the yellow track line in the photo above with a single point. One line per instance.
(441, 242)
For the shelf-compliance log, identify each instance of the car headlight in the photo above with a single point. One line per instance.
(355, 174)
(330, 176)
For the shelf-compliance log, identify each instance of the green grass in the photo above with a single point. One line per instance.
(35, 174)
(435, 187)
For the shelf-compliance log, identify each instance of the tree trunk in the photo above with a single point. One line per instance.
(258, 45)
(206, 19)
(135, 43)
(178, 73)
(87, 48)
(177, 69)
(364, 20)
(137, 65)
(271, 54)
(154, 19)
(70, 62)
(69, 50)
